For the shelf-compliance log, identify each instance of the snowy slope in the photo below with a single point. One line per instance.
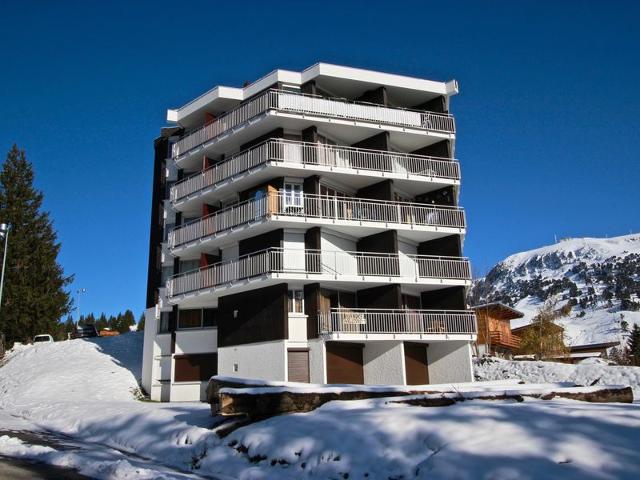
(603, 271)
(87, 390)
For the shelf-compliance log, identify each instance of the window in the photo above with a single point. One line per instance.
(293, 195)
(163, 325)
(331, 192)
(190, 318)
(189, 265)
(195, 368)
(197, 318)
(296, 301)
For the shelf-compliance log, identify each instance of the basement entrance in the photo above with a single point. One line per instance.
(344, 363)
(298, 365)
(416, 365)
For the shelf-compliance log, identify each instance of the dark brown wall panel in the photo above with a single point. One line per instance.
(384, 242)
(266, 240)
(261, 316)
(440, 149)
(443, 196)
(379, 191)
(452, 298)
(379, 141)
(438, 105)
(449, 246)
(377, 96)
(387, 296)
(277, 133)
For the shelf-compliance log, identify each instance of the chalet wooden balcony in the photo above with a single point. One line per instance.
(318, 209)
(310, 156)
(501, 339)
(367, 321)
(288, 102)
(320, 265)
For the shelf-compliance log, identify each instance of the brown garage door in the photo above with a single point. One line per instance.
(415, 360)
(344, 363)
(298, 362)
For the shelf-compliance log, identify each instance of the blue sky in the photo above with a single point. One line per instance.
(547, 116)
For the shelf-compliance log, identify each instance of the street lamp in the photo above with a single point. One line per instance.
(78, 292)
(4, 233)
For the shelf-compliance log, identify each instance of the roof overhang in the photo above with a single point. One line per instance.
(336, 79)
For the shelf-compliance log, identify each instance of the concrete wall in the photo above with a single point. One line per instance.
(317, 362)
(150, 330)
(383, 363)
(264, 360)
(297, 327)
(188, 392)
(196, 341)
(449, 362)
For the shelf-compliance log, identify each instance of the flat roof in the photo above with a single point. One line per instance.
(338, 76)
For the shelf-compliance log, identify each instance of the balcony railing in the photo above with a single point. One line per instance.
(285, 204)
(315, 154)
(299, 103)
(407, 321)
(337, 264)
(501, 339)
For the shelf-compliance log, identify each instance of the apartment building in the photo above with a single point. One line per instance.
(306, 228)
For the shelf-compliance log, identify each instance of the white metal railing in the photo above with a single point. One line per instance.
(319, 262)
(300, 103)
(367, 321)
(282, 204)
(316, 154)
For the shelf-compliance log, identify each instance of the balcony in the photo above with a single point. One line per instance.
(321, 158)
(501, 339)
(342, 213)
(293, 103)
(352, 268)
(350, 323)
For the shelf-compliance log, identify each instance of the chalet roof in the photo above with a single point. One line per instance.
(499, 310)
(523, 328)
(593, 346)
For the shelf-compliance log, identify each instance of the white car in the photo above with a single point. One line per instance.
(43, 338)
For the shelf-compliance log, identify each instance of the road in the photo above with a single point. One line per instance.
(16, 469)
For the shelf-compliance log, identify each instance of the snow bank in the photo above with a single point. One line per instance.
(551, 372)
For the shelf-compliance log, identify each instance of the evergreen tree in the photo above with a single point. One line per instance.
(34, 297)
(634, 345)
(102, 322)
(141, 323)
(127, 319)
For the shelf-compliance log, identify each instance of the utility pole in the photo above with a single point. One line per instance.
(78, 292)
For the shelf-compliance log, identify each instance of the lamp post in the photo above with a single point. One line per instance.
(4, 233)
(78, 292)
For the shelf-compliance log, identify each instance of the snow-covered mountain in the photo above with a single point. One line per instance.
(598, 277)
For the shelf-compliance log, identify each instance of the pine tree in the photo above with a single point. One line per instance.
(634, 345)
(102, 322)
(35, 296)
(127, 319)
(141, 323)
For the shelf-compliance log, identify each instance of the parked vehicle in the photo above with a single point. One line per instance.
(88, 331)
(43, 338)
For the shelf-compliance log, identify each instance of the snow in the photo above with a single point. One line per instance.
(551, 372)
(87, 390)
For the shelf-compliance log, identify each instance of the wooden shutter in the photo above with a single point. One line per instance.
(298, 365)
(344, 363)
(416, 366)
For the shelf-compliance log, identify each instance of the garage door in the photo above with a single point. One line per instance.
(298, 363)
(344, 363)
(415, 360)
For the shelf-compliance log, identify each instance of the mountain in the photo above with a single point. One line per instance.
(598, 277)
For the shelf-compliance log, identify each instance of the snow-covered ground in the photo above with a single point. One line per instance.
(87, 390)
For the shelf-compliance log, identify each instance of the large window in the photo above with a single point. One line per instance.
(195, 368)
(296, 301)
(198, 318)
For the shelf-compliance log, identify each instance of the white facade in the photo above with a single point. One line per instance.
(310, 229)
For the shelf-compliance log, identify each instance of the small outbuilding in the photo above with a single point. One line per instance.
(495, 336)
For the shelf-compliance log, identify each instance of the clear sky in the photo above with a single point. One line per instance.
(548, 114)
